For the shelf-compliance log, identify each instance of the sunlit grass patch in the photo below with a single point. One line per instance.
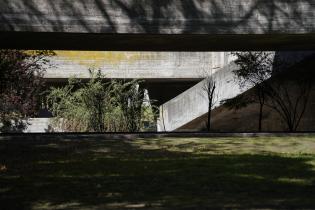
(237, 145)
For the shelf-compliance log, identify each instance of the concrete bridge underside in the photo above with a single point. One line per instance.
(158, 25)
(165, 74)
(194, 25)
(160, 91)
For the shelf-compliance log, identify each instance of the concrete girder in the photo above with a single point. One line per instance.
(158, 25)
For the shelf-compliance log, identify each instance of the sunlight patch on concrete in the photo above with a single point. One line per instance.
(96, 59)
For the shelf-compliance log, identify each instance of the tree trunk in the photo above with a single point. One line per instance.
(209, 116)
(261, 97)
(260, 117)
(210, 98)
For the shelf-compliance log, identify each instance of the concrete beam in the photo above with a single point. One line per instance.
(159, 17)
(195, 25)
(157, 66)
(154, 42)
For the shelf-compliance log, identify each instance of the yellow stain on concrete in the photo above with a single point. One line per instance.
(96, 59)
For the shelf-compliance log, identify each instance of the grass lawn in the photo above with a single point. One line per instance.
(167, 173)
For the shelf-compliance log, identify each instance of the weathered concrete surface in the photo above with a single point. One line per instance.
(39, 125)
(186, 112)
(166, 74)
(246, 119)
(158, 24)
(136, 65)
(159, 17)
(193, 103)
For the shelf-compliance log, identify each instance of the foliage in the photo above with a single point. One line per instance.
(130, 98)
(98, 106)
(21, 85)
(275, 84)
(289, 93)
(149, 118)
(254, 69)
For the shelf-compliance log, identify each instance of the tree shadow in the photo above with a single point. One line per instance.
(163, 16)
(118, 174)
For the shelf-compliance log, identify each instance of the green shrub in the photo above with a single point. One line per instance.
(99, 106)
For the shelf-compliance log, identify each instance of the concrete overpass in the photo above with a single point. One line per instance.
(166, 74)
(158, 25)
(192, 25)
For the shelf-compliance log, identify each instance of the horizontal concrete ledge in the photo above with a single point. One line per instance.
(156, 42)
(170, 80)
(131, 136)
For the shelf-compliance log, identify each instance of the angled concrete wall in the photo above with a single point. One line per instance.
(246, 119)
(193, 103)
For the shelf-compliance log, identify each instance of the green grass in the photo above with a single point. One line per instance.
(167, 173)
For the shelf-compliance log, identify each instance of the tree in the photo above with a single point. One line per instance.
(275, 84)
(288, 94)
(80, 106)
(254, 69)
(209, 87)
(94, 97)
(21, 85)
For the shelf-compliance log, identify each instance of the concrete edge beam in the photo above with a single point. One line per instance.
(155, 42)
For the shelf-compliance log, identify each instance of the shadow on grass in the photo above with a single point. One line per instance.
(84, 174)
